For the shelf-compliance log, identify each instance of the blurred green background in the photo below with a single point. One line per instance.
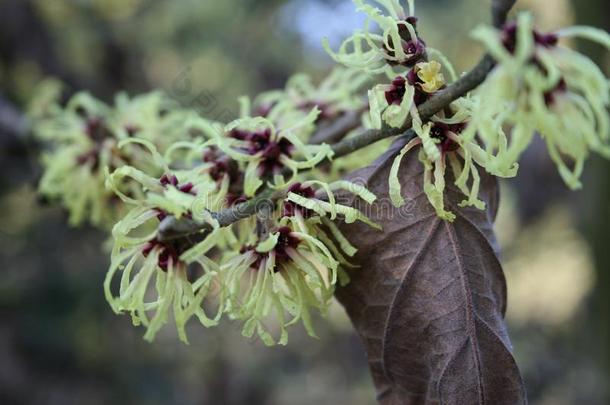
(60, 342)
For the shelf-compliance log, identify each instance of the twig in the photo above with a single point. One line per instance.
(12, 123)
(264, 219)
(172, 228)
(338, 129)
(500, 10)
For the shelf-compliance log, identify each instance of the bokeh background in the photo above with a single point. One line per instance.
(60, 342)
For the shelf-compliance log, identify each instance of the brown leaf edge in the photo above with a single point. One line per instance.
(429, 297)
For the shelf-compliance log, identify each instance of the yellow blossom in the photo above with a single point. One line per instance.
(430, 74)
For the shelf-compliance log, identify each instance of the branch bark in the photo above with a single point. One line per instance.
(338, 129)
(500, 10)
(13, 124)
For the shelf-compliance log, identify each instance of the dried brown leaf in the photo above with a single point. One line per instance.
(429, 298)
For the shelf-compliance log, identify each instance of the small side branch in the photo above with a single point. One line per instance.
(338, 129)
(172, 228)
(13, 124)
(500, 10)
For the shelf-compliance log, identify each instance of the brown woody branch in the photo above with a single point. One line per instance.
(13, 124)
(500, 10)
(338, 129)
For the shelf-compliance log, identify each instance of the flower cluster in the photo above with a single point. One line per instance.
(83, 140)
(397, 45)
(541, 87)
(268, 152)
(442, 144)
(340, 92)
(293, 267)
(416, 73)
(537, 87)
(183, 273)
(284, 272)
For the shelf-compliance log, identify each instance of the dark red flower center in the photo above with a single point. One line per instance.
(169, 179)
(131, 129)
(92, 157)
(413, 79)
(509, 37)
(440, 131)
(234, 199)
(264, 110)
(222, 165)
(96, 129)
(261, 142)
(290, 209)
(285, 241)
(551, 95)
(188, 188)
(397, 91)
(415, 48)
(169, 251)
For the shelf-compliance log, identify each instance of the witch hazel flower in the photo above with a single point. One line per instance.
(263, 280)
(280, 279)
(304, 201)
(151, 116)
(220, 175)
(81, 147)
(159, 278)
(280, 276)
(312, 207)
(397, 45)
(269, 152)
(74, 176)
(338, 93)
(540, 86)
(84, 140)
(82, 118)
(189, 193)
(226, 173)
(441, 146)
(392, 103)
